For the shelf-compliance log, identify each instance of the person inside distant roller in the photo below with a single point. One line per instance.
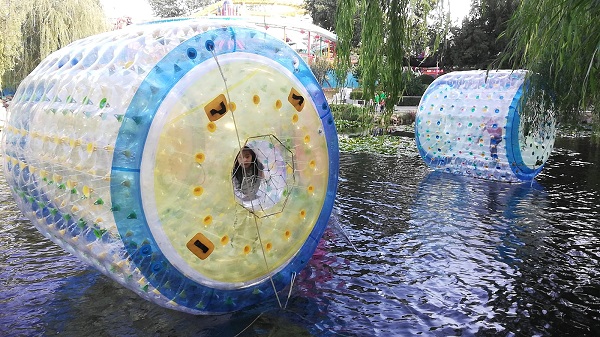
(495, 133)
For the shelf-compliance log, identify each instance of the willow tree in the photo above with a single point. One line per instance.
(560, 40)
(36, 28)
(12, 14)
(176, 8)
(390, 29)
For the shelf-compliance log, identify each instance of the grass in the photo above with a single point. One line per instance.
(383, 145)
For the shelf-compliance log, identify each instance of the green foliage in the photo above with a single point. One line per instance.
(416, 85)
(322, 12)
(11, 46)
(357, 73)
(409, 101)
(356, 94)
(388, 31)
(320, 67)
(32, 29)
(350, 118)
(344, 28)
(350, 112)
(382, 145)
(560, 41)
(425, 79)
(477, 44)
(371, 53)
(425, 33)
(177, 8)
(349, 127)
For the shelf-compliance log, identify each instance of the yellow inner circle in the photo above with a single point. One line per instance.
(196, 149)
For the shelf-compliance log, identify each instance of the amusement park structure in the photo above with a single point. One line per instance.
(284, 19)
(254, 8)
(289, 21)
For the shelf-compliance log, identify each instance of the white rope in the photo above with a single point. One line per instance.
(228, 98)
(290, 292)
(343, 232)
(249, 325)
(265, 259)
(240, 149)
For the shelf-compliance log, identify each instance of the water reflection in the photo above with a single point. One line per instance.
(446, 255)
(450, 208)
(466, 241)
(408, 252)
(107, 309)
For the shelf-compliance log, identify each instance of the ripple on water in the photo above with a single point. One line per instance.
(408, 252)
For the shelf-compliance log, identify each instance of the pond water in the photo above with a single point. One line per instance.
(408, 252)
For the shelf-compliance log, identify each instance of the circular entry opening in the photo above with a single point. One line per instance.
(263, 175)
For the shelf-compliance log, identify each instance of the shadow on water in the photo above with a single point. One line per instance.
(85, 303)
(90, 304)
(107, 309)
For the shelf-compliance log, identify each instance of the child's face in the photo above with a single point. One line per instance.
(245, 158)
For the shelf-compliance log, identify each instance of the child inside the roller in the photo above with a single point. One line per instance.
(247, 174)
(495, 132)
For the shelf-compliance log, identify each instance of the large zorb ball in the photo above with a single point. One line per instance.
(480, 124)
(122, 149)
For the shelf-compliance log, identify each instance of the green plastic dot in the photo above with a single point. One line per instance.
(99, 232)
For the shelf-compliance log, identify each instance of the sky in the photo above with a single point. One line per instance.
(459, 9)
(140, 10)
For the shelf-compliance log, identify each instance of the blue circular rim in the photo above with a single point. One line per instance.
(132, 225)
(513, 152)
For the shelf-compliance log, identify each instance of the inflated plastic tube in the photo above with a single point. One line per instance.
(122, 149)
(475, 123)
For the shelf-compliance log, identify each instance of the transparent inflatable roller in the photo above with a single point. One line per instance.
(493, 125)
(122, 149)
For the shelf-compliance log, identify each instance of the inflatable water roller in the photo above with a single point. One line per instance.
(121, 148)
(493, 125)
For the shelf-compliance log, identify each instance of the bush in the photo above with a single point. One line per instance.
(356, 94)
(417, 85)
(351, 119)
(349, 112)
(409, 100)
(425, 79)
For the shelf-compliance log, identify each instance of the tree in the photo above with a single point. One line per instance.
(320, 67)
(388, 28)
(479, 42)
(323, 14)
(11, 17)
(177, 8)
(560, 41)
(32, 29)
